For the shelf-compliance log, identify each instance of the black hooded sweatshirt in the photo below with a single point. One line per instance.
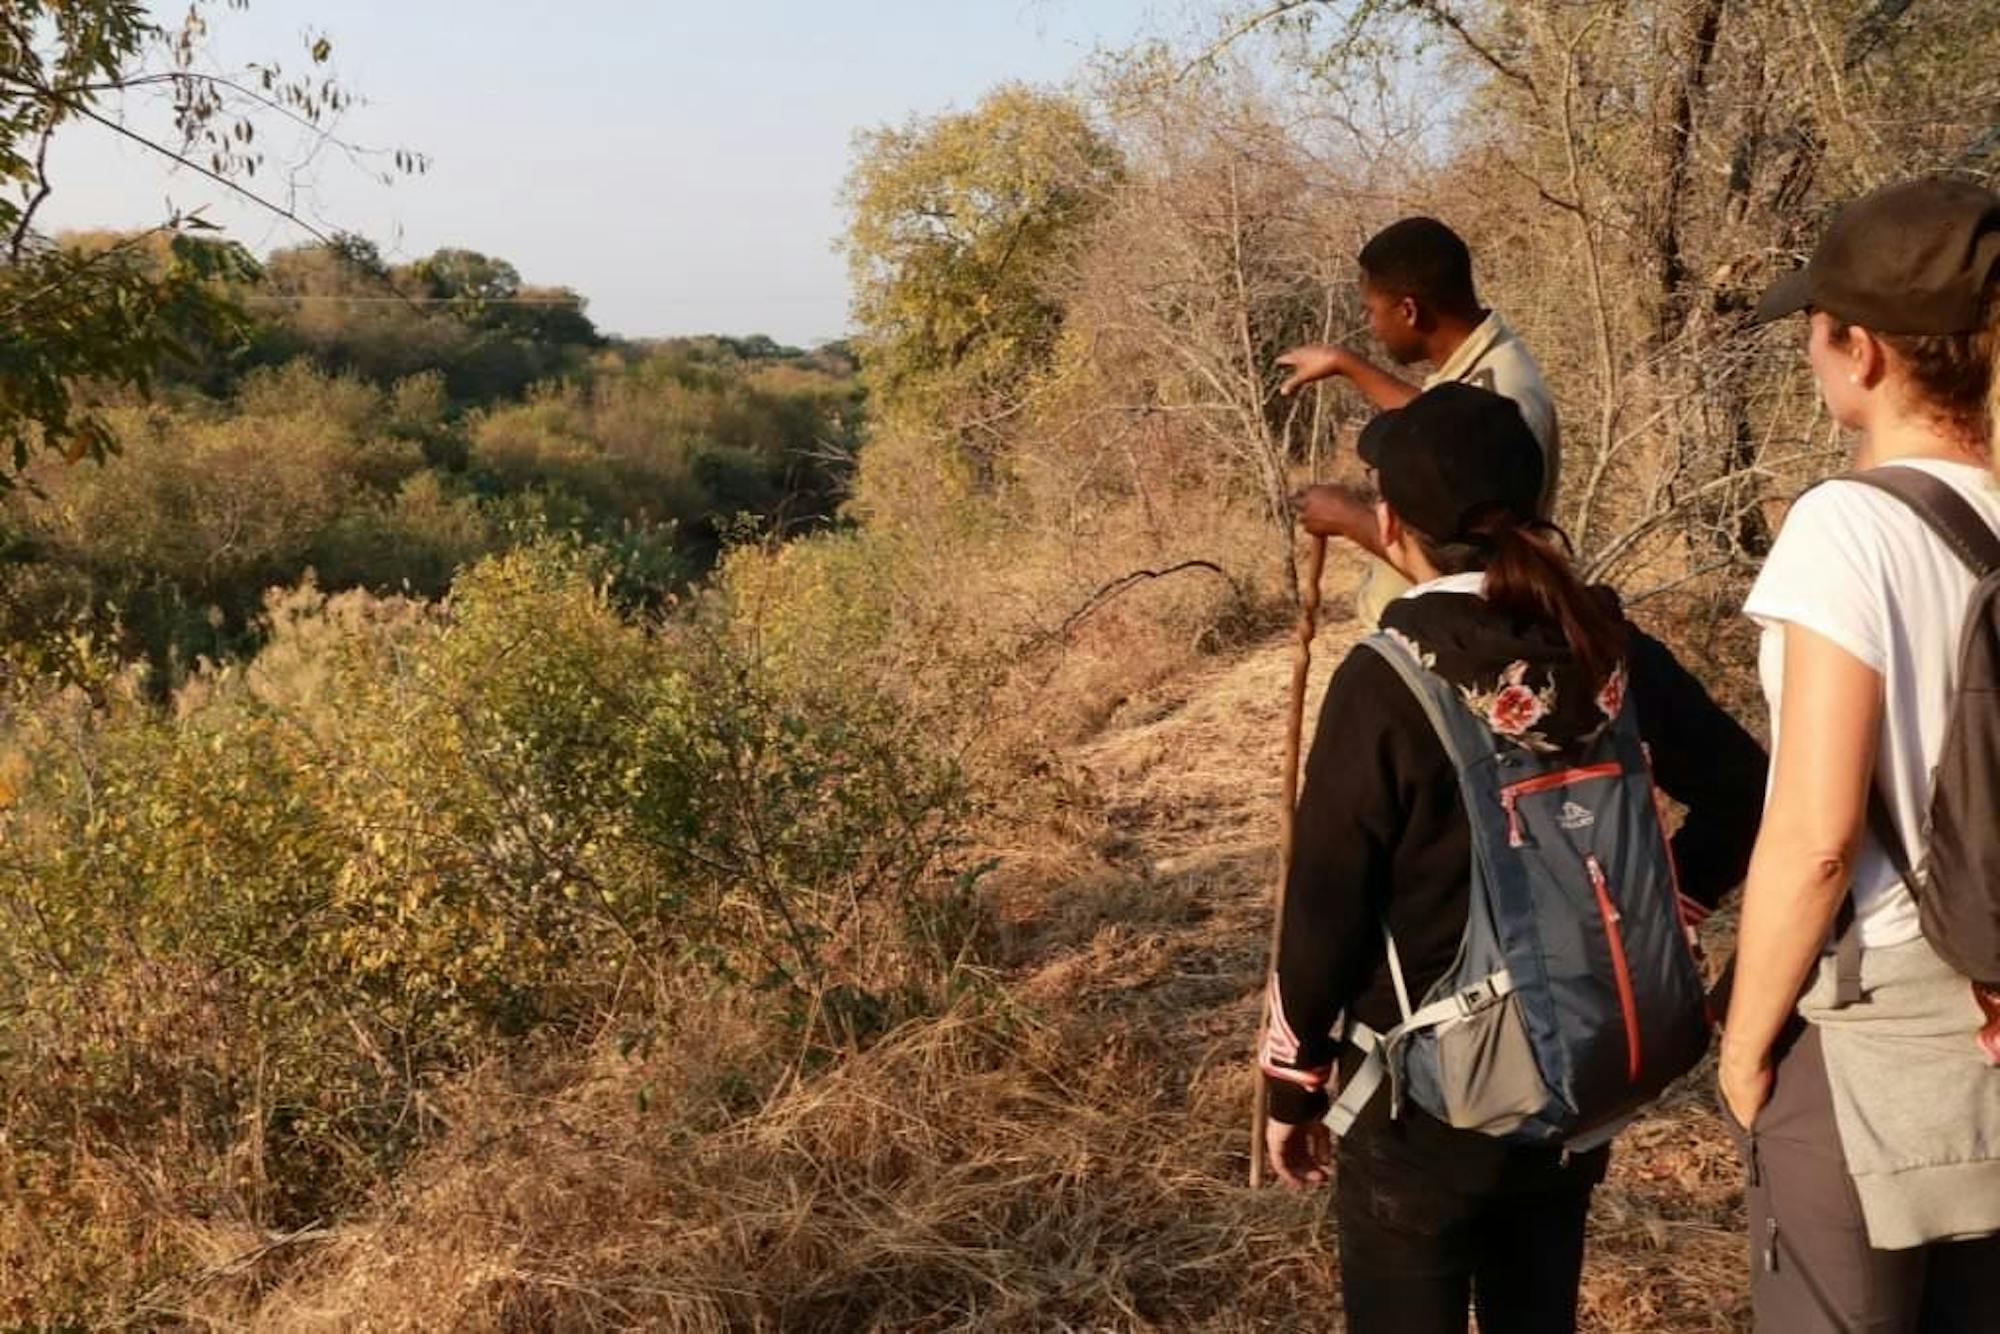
(1382, 831)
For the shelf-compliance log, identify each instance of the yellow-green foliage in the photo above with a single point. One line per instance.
(207, 506)
(246, 936)
(170, 546)
(471, 320)
(819, 605)
(668, 439)
(957, 223)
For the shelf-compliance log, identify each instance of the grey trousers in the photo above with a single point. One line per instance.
(1812, 1269)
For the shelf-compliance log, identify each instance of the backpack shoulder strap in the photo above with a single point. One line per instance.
(1959, 526)
(1943, 510)
(1378, 1049)
(1425, 688)
(1462, 736)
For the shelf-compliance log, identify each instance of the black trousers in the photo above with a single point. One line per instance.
(1433, 1221)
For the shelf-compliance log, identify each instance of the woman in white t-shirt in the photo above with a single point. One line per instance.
(1872, 1130)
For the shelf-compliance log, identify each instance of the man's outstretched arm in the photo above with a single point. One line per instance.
(1319, 361)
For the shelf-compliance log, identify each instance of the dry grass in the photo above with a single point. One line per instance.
(1063, 1149)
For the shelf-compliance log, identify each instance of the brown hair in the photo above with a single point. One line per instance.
(1955, 377)
(1993, 408)
(1993, 378)
(1530, 579)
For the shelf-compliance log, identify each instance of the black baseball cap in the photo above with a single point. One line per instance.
(1451, 455)
(1912, 258)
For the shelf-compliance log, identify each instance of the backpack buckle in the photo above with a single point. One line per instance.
(1486, 991)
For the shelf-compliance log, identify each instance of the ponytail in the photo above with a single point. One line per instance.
(1529, 579)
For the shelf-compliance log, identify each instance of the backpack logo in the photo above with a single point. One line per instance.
(1575, 817)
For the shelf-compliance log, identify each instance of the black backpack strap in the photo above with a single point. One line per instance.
(1943, 510)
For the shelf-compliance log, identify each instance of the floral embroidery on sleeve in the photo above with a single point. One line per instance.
(1426, 659)
(1611, 698)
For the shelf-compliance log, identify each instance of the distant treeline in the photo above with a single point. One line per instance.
(382, 425)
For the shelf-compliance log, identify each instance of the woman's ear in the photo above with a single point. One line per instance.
(1868, 358)
(1395, 540)
(1400, 546)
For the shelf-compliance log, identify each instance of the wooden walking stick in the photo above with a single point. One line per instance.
(1295, 722)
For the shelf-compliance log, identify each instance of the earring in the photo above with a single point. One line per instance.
(1854, 379)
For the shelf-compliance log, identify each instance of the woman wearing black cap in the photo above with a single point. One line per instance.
(1432, 1219)
(1850, 1048)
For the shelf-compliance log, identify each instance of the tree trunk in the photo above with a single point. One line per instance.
(1673, 153)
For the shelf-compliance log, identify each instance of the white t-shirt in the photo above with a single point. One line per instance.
(1861, 569)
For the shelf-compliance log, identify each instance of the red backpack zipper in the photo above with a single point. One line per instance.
(1627, 1001)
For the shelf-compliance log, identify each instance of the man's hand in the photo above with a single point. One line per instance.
(1311, 363)
(1327, 510)
(1299, 1154)
(1318, 361)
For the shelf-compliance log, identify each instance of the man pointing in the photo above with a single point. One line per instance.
(1416, 282)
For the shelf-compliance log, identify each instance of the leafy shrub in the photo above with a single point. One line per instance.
(671, 439)
(169, 548)
(248, 936)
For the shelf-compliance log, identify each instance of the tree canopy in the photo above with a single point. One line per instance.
(957, 223)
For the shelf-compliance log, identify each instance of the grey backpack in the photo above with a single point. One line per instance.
(1575, 999)
(1957, 888)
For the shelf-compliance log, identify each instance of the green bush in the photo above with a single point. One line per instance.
(169, 548)
(673, 439)
(247, 935)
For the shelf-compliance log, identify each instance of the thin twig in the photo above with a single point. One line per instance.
(84, 109)
(1125, 582)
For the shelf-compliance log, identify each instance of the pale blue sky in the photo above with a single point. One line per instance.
(676, 162)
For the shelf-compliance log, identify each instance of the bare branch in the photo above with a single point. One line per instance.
(1124, 583)
(25, 226)
(1262, 18)
(85, 110)
(1438, 13)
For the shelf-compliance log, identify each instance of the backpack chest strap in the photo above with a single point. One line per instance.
(1378, 1050)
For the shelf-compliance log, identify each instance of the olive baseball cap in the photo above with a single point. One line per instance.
(1452, 454)
(1912, 258)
